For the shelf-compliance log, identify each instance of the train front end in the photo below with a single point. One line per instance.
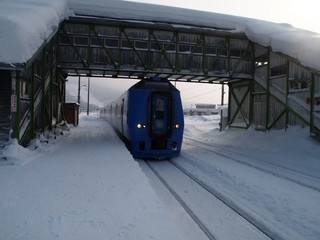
(157, 120)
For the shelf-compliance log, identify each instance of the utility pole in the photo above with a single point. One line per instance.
(79, 91)
(221, 110)
(222, 94)
(88, 96)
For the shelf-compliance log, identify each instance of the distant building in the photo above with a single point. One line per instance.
(205, 106)
(202, 109)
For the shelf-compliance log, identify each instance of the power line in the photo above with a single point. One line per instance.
(202, 94)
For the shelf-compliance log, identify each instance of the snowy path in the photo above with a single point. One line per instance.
(85, 185)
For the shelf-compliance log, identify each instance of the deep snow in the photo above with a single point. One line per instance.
(274, 176)
(84, 184)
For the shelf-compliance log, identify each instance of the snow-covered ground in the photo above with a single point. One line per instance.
(273, 177)
(84, 184)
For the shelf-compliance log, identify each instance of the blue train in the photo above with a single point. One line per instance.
(149, 118)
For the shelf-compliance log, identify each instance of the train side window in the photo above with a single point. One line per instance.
(122, 106)
(116, 111)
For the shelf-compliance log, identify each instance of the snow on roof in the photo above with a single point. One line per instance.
(26, 24)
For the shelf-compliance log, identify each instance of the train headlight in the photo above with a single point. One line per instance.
(176, 126)
(139, 125)
(174, 146)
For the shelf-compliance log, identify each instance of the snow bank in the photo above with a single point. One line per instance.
(24, 25)
(297, 43)
(15, 154)
(290, 146)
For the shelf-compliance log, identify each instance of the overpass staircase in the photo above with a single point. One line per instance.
(5, 103)
(292, 88)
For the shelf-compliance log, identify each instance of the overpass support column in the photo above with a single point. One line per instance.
(15, 104)
(268, 92)
(312, 89)
(32, 102)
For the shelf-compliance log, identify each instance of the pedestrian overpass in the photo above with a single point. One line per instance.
(136, 50)
(268, 89)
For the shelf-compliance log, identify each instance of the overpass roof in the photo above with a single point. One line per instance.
(26, 24)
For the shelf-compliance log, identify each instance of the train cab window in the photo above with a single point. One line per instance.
(159, 113)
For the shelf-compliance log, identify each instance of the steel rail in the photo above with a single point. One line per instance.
(183, 204)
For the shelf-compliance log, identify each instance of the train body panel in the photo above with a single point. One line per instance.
(149, 117)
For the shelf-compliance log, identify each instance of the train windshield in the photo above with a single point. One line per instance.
(160, 114)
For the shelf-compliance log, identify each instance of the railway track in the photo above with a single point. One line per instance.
(297, 177)
(183, 204)
(218, 213)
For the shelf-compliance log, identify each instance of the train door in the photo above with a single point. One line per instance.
(160, 115)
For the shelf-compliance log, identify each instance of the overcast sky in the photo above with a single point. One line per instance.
(299, 13)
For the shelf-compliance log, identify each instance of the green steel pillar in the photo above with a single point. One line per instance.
(17, 115)
(43, 91)
(312, 89)
(51, 72)
(32, 102)
(251, 85)
(268, 92)
(229, 104)
(287, 94)
(222, 94)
